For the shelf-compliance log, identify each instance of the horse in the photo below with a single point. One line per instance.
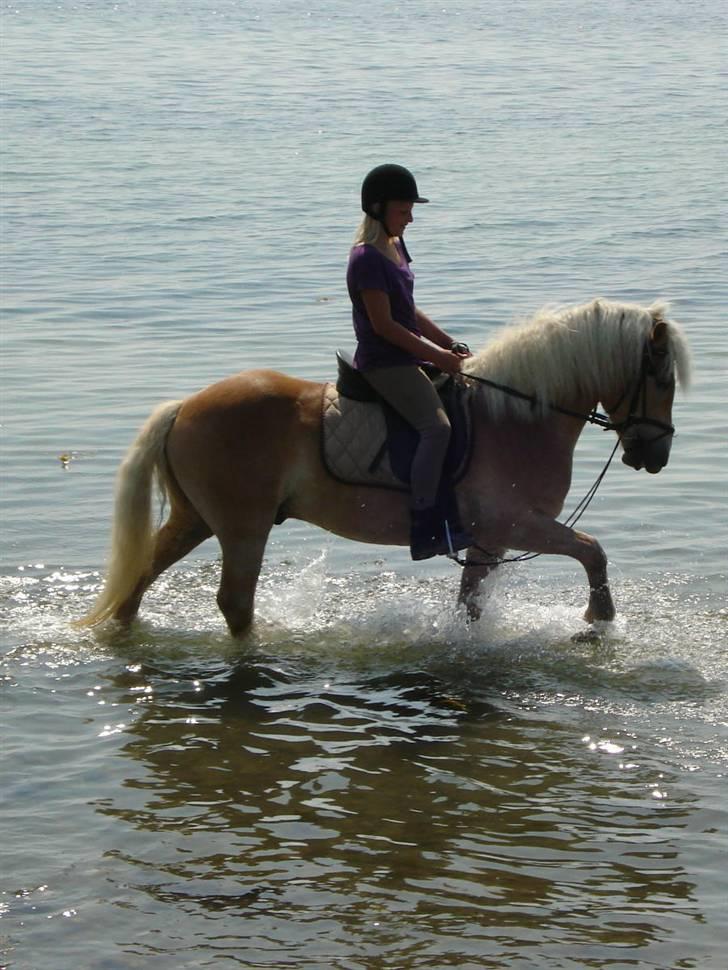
(245, 453)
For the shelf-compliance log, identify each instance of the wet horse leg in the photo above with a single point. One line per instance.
(177, 537)
(601, 606)
(475, 571)
(536, 532)
(242, 557)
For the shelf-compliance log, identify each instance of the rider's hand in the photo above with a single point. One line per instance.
(449, 362)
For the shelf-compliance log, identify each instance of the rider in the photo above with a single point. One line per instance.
(394, 337)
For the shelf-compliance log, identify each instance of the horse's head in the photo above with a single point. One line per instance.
(644, 419)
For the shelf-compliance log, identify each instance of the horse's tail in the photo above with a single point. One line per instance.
(132, 534)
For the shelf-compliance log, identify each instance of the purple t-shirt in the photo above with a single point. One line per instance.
(370, 269)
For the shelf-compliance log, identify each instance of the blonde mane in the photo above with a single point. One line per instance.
(594, 349)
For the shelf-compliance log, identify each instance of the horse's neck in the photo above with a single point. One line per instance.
(517, 463)
(572, 359)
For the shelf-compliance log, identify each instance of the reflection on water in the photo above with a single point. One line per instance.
(395, 800)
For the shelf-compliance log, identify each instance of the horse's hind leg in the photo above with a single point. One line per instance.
(242, 557)
(183, 531)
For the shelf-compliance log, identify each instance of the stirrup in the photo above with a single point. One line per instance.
(460, 539)
(431, 535)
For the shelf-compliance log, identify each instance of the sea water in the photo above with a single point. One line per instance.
(365, 782)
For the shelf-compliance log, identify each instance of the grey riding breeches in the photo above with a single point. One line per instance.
(410, 392)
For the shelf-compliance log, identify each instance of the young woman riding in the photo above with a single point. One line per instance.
(394, 337)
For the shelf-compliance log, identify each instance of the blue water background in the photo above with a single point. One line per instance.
(180, 188)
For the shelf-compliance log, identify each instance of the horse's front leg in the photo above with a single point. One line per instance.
(536, 532)
(476, 569)
(601, 605)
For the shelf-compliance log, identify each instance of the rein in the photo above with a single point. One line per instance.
(593, 417)
(603, 421)
(573, 518)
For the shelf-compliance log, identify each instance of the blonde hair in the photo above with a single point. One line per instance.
(373, 233)
(370, 231)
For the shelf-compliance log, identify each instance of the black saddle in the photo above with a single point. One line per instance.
(402, 439)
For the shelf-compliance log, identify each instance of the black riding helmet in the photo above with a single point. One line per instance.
(384, 184)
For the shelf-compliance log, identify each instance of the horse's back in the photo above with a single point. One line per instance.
(247, 391)
(245, 435)
(254, 402)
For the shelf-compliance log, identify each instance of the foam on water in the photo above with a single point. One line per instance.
(661, 657)
(362, 744)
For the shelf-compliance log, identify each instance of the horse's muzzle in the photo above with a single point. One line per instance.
(652, 454)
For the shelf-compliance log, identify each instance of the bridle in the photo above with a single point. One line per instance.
(649, 367)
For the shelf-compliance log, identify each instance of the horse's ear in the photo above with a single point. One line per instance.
(659, 310)
(660, 334)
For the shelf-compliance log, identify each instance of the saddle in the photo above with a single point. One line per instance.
(366, 442)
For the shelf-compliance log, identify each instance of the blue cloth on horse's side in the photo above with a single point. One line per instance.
(402, 439)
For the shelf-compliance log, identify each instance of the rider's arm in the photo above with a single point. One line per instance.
(438, 336)
(379, 311)
(431, 330)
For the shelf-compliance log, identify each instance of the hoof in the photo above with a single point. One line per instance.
(472, 611)
(592, 635)
(601, 605)
(604, 612)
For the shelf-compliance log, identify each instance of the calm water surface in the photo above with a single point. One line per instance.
(364, 783)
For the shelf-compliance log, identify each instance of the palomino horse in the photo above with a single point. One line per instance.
(245, 453)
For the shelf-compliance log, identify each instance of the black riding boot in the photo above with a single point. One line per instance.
(430, 532)
(427, 533)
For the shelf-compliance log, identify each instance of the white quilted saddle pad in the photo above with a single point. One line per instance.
(354, 434)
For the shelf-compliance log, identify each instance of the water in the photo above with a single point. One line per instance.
(365, 782)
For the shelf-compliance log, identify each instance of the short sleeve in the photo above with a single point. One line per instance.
(366, 270)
